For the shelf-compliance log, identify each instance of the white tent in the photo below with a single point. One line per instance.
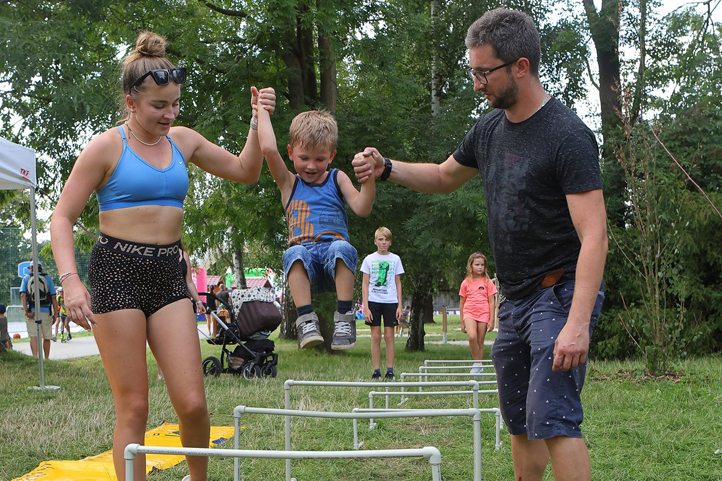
(17, 171)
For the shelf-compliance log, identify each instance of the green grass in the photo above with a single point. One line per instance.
(636, 428)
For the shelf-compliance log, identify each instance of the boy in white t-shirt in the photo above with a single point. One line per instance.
(381, 290)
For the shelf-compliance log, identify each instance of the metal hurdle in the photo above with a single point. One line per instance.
(238, 411)
(475, 400)
(428, 452)
(291, 382)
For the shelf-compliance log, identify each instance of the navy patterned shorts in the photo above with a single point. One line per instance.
(534, 399)
(129, 275)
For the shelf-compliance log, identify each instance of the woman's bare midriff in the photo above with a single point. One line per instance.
(147, 224)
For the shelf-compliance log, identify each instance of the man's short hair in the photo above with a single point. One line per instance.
(511, 33)
(314, 128)
(384, 231)
(3, 309)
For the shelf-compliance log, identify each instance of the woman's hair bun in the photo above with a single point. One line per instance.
(150, 44)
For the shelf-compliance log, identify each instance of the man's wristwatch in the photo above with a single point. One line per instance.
(387, 169)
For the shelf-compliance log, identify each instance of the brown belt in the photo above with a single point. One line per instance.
(551, 279)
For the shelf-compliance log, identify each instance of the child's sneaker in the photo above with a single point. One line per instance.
(389, 376)
(309, 331)
(344, 331)
(376, 376)
(477, 368)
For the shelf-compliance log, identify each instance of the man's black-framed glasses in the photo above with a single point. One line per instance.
(162, 76)
(481, 76)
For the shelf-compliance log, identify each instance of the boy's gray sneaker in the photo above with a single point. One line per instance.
(344, 331)
(308, 330)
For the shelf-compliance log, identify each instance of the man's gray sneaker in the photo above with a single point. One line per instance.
(344, 331)
(308, 330)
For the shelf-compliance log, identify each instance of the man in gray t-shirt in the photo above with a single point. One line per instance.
(540, 168)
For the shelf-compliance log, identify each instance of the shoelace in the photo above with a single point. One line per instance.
(342, 327)
(307, 327)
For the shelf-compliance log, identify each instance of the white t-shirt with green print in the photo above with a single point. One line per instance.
(382, 271)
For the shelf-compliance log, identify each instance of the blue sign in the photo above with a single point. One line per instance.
(24, 268)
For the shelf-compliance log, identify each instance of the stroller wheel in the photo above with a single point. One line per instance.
(269, 370)
(251, 370)
(212, 366)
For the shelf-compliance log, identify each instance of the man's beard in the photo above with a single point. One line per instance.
(507, 97)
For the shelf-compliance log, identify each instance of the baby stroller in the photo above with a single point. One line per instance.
(252, 317)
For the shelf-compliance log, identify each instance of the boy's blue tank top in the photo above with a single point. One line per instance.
(316, 212)
(135, 182)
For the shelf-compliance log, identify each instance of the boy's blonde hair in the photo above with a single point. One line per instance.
(384, 231)
(472, 258)
(314, 128)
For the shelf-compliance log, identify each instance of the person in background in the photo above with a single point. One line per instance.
(48, 311)
(139, 171)
(477, 296)
(403, 321)
(63, 323)
(381, 290)
(6, 343)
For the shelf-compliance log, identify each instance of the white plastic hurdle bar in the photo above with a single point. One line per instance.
(475, 397)
(429, 452)
(238, 411)
(458, 367)
(456, 361)
(403, 383)
(290, 383)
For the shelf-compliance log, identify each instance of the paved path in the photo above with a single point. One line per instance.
(86, 346)
(77, 347)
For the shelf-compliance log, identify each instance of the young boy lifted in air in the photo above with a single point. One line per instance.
(320, 256)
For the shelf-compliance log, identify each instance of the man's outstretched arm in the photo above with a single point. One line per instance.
(428, 178)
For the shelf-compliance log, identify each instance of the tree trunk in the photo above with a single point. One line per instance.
(435, 76)
(641, 71)
(238, 268)
(288, 311)
(419, 307)
(329, 84)
(290, 56)
(604, 28)
(304, 36)
(429, 309)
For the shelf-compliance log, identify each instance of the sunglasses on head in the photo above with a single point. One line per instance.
(162, 76)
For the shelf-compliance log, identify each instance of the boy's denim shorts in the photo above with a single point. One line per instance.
(319, 261)
(534, 399)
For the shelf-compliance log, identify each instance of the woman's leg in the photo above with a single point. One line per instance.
(376, 346)
(174, 341)
(480, 335)
(390, 345)
(471, 331)
(121, 337)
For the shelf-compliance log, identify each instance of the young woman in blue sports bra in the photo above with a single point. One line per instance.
(139, 173)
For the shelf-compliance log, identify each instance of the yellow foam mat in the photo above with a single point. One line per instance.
(100, 467)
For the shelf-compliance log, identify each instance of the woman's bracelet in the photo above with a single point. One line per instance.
(66, 275)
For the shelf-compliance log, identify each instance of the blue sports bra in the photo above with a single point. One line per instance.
(135, 182)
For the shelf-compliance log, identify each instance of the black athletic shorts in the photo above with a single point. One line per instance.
(387, 311)
(130, 275)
